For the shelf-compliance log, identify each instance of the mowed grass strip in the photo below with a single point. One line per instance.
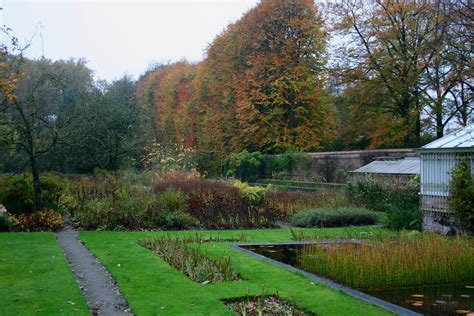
(151, 286)
(35, 278)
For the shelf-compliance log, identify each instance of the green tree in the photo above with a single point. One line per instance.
(461, 198)
(35, 120)
(106, 135)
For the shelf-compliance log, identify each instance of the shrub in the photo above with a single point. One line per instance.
(16, 192)
(334, 217)
(173, 200)
(399, 200)
(254, 195)
(117, 203)
(285, 204)
(290, 163)
(208, 164)
(381, 195)
(216, 204)
(4, 221)
(461, 198)
(173, 204)
(52, 188)
(84, 190)
(244, 166)
(37, 221)
(124, 209)
(178, 220)
(403, 219)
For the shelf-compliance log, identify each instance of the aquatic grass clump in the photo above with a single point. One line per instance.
(372, 233)
(425, 260)
(191, 261)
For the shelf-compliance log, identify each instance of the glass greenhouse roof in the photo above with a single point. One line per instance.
(460, 139)
(408, 165)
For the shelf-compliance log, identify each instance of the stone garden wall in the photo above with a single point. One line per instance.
(333, 167)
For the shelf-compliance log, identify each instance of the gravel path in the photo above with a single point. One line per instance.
(97, 285)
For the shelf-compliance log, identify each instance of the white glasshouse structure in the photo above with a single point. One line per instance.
(437, 162)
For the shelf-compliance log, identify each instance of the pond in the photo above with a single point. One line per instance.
(441, 300)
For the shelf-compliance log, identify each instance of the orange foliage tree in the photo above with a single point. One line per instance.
(166, 93)
(260, 86)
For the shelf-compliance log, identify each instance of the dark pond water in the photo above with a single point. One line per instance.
(445, 300)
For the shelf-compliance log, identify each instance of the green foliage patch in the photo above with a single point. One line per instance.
(16, 192)
(461, 198)
(399, 200)
(244, 166)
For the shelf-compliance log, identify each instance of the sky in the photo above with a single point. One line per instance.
(120, 37)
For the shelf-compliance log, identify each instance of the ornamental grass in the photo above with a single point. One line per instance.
(191, 261)
(426, 260)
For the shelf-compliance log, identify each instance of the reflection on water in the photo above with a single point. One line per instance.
(444, 300)
(431, 300)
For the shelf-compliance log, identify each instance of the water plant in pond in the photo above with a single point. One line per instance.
(426, 260)
(192, 261)
(372, 233)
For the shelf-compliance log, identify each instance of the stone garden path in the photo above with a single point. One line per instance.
(97, 285)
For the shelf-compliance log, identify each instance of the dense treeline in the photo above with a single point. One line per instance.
(288, 76)
(259, 88)
(395, 74)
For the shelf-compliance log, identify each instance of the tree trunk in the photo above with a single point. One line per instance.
(418, 131)
(439, 121)
(464, 107)
(36, 183)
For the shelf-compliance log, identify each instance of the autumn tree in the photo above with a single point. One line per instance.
(448, 77)
(386, 49)
(165, 94)
(261, 84)
(283, 105)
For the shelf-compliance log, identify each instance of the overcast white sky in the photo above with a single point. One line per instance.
(120, 37)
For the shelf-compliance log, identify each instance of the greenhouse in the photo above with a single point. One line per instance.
(438, 159)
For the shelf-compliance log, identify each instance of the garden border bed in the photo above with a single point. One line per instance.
(350, 291)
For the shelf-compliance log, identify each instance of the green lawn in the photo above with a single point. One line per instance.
(35, 278)
(153, 287)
